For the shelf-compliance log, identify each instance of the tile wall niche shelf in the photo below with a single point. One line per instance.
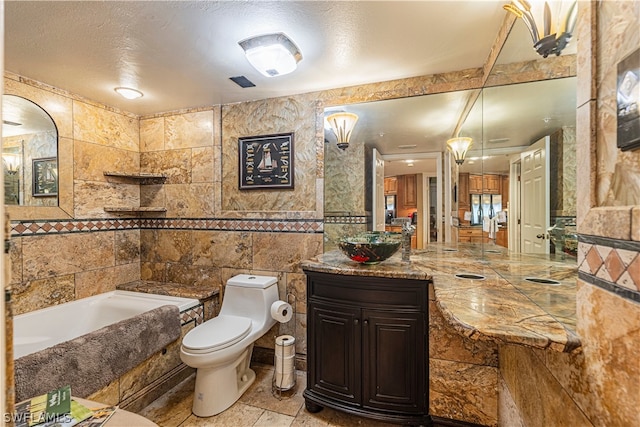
(134, 209)
(140, 178)
(143, 178)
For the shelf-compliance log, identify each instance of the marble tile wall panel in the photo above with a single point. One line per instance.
(463, 391)
(30, 295)
(222, 249)
(273, 116)
(127, 247)
(189, 200)
(174, 164)
(98, 125)
(94, 282)
(608, 326)
(344, 189)
(508, 413)
(91, 197)
(539, 397)
(63, 254)
(188, 130)
(284, 251)
(92, 160)
(151, 134)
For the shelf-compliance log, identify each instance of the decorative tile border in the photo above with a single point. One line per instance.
(29, 228)
(346, 219)
(193, 314)
(611, 264)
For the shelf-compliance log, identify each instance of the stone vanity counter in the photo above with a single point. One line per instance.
(502, 307)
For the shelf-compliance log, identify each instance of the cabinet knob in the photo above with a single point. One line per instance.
(355, 322)
(366, 322)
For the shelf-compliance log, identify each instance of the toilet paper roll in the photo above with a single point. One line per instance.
(281, 311)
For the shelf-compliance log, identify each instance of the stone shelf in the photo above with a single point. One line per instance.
(141, 177)
(134, 209)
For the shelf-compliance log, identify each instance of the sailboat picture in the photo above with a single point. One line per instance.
(266, 161)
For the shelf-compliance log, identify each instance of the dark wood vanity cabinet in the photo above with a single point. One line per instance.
(367, 349)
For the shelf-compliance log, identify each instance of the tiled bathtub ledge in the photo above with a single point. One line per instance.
(502, 308)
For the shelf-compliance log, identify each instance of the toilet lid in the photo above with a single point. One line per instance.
(217, 333)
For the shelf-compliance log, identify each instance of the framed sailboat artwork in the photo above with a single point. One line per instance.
(266, 161)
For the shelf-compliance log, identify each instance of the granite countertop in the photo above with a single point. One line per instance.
(504, 306)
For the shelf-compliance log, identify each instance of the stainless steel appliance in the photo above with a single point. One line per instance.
(484, 205)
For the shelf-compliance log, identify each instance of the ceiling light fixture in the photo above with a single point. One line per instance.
(541, 20)
(459, 147)
(271, 54)
(342, 125)
(128, 93)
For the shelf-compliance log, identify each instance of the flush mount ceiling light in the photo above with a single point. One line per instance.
(128, 93)
(342, 125)
(543, 17)
(271, 54)
(459, 147)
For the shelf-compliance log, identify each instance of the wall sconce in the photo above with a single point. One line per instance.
(271, 54)
(11, 162)
(342, 125)
(459, 147)
(540, 21)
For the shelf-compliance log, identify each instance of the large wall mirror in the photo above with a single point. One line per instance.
(505, 121)
(29, 154)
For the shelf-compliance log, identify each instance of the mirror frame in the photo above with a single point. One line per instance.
(65, 208)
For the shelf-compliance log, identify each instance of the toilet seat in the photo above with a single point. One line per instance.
(216, 334)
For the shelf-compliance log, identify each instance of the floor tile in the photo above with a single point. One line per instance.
(238, 415)
(260, 394)
(174, 407)
(273, 419)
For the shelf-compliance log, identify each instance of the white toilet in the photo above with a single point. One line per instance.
(221, 347)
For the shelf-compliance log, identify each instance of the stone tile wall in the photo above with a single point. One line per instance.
(599, 384)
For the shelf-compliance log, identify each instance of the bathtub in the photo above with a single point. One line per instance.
(49, 326)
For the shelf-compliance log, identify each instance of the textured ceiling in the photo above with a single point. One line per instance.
(180, 54)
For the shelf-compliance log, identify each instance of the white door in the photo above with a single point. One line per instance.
(378, 192)
(535, 198)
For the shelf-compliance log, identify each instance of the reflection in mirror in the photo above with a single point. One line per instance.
(410, 134)
(29, 154)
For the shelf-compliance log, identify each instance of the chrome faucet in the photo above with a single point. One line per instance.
(407, 232)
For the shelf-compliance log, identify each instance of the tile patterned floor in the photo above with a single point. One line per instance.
(256, 408)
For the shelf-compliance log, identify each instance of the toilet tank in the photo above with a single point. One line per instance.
(249, 295)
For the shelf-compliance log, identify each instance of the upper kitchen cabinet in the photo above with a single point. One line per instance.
(407, 187)
(475, 184)
(463, 191)
(491, 184)
(390, 185)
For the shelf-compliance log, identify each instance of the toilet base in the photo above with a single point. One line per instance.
(218, 388)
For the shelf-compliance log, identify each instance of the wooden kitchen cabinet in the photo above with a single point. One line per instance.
(475, 184)
(464, 202)
(491, 184)
(472, 235)
(390, 185)
(407, 186)
(504, 190)
(367, 347)
(502, 237)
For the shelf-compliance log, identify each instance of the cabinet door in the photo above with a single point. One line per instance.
(390, 185)
(394, 347)
(491, 184)
(410, 191)
(463, 191)
(334, 343)
(475, 184)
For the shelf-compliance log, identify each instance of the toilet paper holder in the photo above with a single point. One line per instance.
(284, 381)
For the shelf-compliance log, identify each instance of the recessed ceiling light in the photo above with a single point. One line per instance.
(128, 93)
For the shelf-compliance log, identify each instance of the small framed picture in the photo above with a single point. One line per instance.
(266, 161)
(45, 177)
